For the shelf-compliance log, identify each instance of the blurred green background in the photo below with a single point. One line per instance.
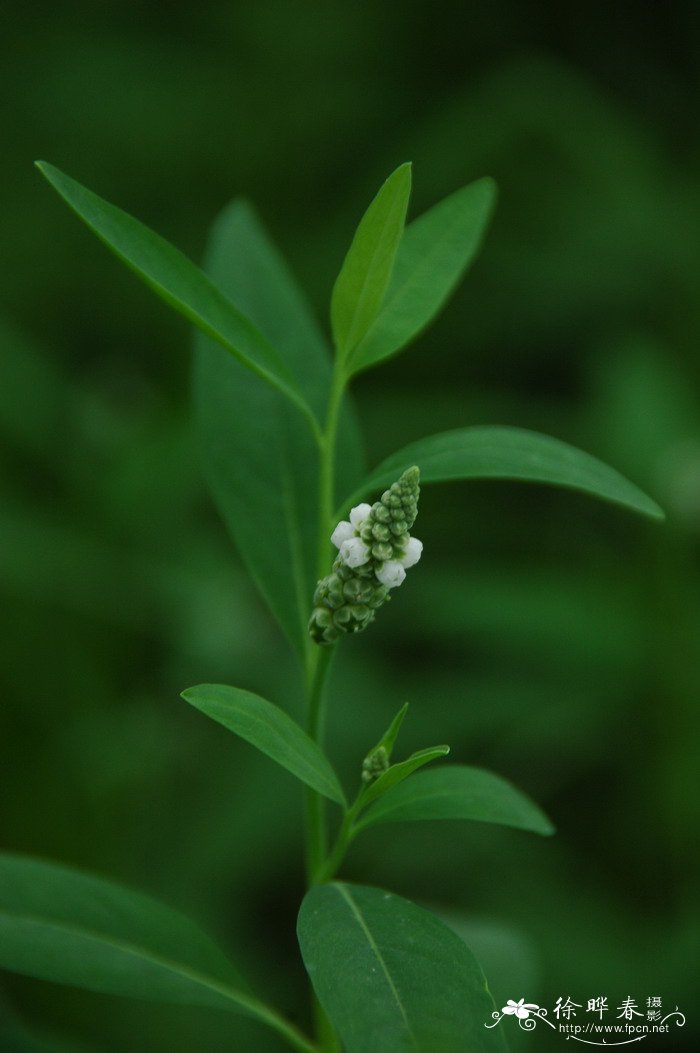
(544, 635)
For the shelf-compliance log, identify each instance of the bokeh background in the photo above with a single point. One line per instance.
(544, 635)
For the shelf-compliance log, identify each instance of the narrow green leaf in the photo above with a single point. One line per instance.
(178, 282)
(269, 729)
(509, 453)
(458, 792)
(434, 253)
(391, 976)
(398, 772)
(366, 272)
(389, 737)
(61, 925)
(260, 460)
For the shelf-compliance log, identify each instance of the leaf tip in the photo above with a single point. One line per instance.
(656, 512)
(190, 693)
(544, 825)
(488, 188)
(241, 208)
(644, 505)
(403, 174)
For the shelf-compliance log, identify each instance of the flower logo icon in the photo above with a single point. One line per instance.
(521, 1009)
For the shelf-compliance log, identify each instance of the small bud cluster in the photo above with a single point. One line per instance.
(375, 550)
(375, 764)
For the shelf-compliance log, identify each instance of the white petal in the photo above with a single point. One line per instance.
(412, 552)
(522, 1013)
(358, 514)
(342, 532)
(391, 573)
(354, 552)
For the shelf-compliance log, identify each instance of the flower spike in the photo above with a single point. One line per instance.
(374, 551)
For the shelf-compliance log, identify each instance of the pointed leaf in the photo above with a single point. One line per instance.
(269, 729)
(398, 772)
(260, 461)
(61, 925)
(434, 253)
(364, 277)
(391, 976)
(177, 281)
(389, 737)
(458, 792)
(509, 453)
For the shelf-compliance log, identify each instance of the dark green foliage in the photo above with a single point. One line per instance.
(565, 632)
(433, 999)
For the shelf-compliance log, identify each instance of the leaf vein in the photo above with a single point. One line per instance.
(342, 889)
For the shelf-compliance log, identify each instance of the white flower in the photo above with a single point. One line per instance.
(359, 514)
(412, 552)
(354, 552)
(391, 573)
(346, 530)
(343, 532)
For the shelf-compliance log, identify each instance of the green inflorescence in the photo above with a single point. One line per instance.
(346, 600)
(375, 764)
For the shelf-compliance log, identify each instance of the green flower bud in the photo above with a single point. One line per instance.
(375, 764)
(380, 532)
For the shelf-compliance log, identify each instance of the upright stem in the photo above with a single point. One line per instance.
(327, 467)
(318, 659)
(342, 843)
(316, 836)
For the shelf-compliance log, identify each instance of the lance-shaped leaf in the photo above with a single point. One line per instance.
(271, 730)
(361, 286)
(59, 924)
(388, 739)
(458, 792)
(260, 460)
(391, 976)
(509, 453)
(400, 771)
(435, 251)
(178, 282)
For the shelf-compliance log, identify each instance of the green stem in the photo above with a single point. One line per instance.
(327, 468)
(325, 1035)
(316, 836)
(318, 661)
(318, 658)
(345, 836)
